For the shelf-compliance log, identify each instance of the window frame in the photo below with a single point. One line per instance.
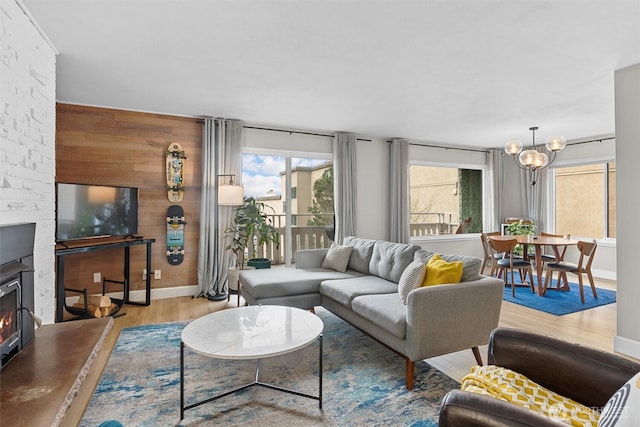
(486, 202)
(551, 193)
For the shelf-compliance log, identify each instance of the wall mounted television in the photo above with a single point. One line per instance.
(87, 211)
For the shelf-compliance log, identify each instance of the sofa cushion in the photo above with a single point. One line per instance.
(470, 265)
(623, 409)
(275, 282)
(411, 278)
(389, 260)
(385, 310)
(440, 272)
(337, 257)
(345, 290)
(361, 255)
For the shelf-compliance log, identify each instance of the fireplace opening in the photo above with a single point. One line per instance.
(17, 293)
(10, 313)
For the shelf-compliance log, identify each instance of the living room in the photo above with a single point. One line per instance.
(78, 142)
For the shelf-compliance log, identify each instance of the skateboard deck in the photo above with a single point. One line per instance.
(175, 172)
(175, 234)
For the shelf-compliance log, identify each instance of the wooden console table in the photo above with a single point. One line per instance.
(83, 246)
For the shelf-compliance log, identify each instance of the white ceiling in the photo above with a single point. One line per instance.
(467, 73)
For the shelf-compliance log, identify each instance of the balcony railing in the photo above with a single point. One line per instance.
(433, 223)
(315, 237)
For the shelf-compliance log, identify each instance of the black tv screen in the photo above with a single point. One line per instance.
(85, 211)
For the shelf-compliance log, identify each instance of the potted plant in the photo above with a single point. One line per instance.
(250, 229)
(520, 228)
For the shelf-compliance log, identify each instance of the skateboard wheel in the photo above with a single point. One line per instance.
(168, 253)
(182, 252)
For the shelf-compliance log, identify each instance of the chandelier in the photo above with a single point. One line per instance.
(531, 159)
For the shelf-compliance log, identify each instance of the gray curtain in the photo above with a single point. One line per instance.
(514, 196)
(536, 199)
(399, 204)
(497, 181)
(344, 185)
(221, 154)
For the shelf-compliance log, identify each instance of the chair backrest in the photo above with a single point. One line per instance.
(503, 246)
(564, 236)
(587, 250)
(484, 238)
(462, 228)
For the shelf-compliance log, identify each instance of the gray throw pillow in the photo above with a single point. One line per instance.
(412, 278)
(337, 257)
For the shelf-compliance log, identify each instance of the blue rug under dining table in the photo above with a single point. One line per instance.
(557, 302)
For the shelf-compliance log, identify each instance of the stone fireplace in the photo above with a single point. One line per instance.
(16, 289)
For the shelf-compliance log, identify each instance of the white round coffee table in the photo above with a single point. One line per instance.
(253, 332)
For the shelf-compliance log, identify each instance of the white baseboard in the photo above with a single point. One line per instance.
(604, 274)
(626, 346)
(139, 295)
(163, 293)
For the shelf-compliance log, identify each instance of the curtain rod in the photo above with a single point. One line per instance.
(298, 132)
(447, 148)
(591, 140)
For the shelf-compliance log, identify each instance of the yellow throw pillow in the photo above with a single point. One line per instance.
(440, 272)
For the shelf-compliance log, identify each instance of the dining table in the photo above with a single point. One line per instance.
(539, 242)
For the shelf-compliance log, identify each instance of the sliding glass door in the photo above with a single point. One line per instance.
(299, 194)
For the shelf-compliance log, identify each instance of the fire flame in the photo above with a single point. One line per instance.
(6, 325)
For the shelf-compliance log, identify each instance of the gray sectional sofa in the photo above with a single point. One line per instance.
(436, 319)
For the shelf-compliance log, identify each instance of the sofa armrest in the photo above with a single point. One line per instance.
(462, 408)
(445, 318)
(586, 375)
(310, 258)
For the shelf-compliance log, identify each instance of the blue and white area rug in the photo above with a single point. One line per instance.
(363, 384)
(559, 302)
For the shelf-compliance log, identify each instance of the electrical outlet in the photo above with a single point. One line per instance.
(97, 277)
(144, 274)
(157, 274)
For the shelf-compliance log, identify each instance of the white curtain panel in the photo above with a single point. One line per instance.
(221, 154)
(344, 185)
(399, 203)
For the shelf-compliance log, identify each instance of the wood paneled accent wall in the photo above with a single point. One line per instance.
(116, 147)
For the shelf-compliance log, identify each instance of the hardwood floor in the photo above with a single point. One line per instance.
(594, 328)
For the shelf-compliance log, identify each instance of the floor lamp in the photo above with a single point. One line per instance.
(229, 194)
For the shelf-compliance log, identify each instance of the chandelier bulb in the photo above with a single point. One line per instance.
(556, 143)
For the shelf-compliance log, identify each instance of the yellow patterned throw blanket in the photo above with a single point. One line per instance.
(510, 386)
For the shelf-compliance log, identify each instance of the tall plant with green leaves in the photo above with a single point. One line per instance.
(520, 228)
(250, 229)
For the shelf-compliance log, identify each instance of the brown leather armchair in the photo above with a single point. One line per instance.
(584, 374)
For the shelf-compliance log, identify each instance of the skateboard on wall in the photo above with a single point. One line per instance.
(175, 158)
(175, 234)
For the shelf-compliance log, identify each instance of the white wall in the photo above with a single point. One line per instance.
(627, 89)
(27, 142)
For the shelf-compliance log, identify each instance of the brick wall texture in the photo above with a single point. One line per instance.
(27, 142)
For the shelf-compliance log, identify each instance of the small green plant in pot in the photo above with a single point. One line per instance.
(520, 228)
(250, 229)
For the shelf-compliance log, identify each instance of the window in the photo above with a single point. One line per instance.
(301, 220)
(441, 198)
(586, 200)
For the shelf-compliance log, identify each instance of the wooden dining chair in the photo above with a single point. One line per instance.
(587, 251)
(464, 226)
(510, 263)
(549, 255)
(490, 257)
